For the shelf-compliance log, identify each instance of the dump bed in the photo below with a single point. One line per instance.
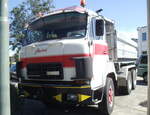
(120, 48)
(126, 49)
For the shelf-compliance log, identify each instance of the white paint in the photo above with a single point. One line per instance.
(56, 48)
(126, 51)
(99, 68)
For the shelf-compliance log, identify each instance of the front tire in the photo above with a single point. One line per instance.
(107, 104)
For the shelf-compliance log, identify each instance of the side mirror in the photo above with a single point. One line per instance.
(99, 27)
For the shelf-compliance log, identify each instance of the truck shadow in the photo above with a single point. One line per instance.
(74, 110)
(143, 104)
(31, 107)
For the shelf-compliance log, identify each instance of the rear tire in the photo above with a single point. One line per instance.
(133, 72)
(107, 104)
(127, 89)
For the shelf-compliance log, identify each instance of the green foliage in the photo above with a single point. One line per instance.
(21, 15)
(36, 6)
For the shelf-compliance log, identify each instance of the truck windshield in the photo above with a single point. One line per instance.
(70, 25)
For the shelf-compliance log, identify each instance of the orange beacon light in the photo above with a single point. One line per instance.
(82, 3)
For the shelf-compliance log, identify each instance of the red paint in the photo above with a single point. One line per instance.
(66, 60)
(101, 49)
(82, 3)
(110, 96)
(40, 51)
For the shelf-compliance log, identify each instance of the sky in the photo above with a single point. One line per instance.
(127, 14)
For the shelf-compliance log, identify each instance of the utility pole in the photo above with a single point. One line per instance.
(148, 26)
(4, 59)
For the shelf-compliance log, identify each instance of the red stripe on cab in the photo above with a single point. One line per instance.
(101, 49)
(66, 60)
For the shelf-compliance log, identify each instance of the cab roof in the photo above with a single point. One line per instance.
(72, 9)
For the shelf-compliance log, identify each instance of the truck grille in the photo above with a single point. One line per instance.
(51, 71)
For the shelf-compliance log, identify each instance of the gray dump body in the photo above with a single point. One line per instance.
(120, 48)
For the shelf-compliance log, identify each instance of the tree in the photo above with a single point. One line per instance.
(21, 15)
(18, 19)
(36, 6)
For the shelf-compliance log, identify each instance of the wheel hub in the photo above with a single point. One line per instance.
(110, 96)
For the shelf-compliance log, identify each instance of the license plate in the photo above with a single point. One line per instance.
(53, 73)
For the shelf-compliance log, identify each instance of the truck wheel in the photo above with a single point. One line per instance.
(133, 79)
(107, 104)
(128, 87)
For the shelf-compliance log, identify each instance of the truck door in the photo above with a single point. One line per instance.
(99, 51)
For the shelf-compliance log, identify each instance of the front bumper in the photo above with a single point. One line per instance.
(60, 94)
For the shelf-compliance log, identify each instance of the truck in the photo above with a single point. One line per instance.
(142, 67)
(142, 62)
(76, 58)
